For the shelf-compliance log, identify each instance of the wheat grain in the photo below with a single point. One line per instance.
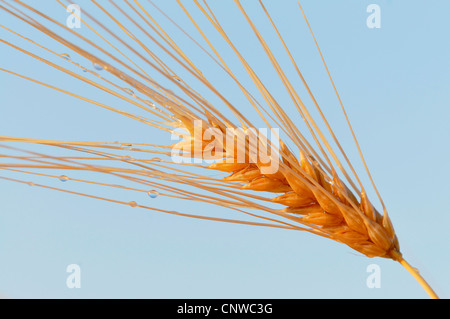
(324, 201)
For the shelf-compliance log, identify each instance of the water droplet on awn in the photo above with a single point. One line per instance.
(63, 178)
(65, 56)
(132, 204)
(129, 91)
(153, 194)
(98, 67)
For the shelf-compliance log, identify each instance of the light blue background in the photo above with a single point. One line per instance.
(395, 84)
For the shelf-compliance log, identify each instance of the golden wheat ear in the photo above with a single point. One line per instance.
(310, 190)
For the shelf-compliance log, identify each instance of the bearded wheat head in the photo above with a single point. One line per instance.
(299, 182)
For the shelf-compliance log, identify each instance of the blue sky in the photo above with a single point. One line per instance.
(395, 84)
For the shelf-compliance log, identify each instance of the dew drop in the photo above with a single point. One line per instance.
(126, 146)
(127, 158)
(63, 178)
(153, 193)
(30, 184)
(129, 91)
(154, 107)
(156, 159)
(150, 103)
(132, 204)
(98, 67)
(65, 56)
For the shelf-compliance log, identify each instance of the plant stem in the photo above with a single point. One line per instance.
(415, 273)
